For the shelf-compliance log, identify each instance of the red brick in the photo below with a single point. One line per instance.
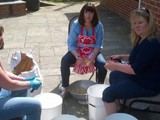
(9, 9)
(18, 9)
(124, 7)
(158, 4)
(157, 15)
(4, 10)
(152, 2)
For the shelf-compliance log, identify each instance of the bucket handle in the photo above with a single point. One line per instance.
(92, 105)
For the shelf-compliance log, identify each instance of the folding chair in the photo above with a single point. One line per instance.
(69, 27)
(155, 100)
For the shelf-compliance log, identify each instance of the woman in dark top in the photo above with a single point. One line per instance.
(141, 76)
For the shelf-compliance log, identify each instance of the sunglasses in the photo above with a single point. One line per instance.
(145, 10)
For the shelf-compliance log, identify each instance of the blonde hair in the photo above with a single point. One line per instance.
(148, 16)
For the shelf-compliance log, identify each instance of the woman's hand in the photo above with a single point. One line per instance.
(116, 58)
(126, 68)
(111, 65)
(30, 78)
(85, 62)
(80, 61)
(90, 62)
(119, 58)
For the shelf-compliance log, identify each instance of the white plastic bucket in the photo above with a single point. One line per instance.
(66, 117)
(120, 116)
(51, 105)
(95, 104)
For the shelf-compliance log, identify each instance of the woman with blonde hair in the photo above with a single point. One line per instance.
(140, 77)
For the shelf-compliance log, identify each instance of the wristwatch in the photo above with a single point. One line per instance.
(77, 56)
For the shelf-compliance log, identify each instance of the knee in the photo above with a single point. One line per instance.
(67, 60)
(107, 95)
(113, 77)
(36, 106)
(101, 68)
(64, 62)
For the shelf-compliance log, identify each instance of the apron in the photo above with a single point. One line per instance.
(85, 47)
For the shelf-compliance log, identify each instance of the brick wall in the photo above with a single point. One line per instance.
(154, 6)
(14, 8)
(18, 9)
(124, 7)
(4, 10)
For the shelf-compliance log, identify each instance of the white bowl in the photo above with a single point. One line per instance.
(66, 117)
(120, 116)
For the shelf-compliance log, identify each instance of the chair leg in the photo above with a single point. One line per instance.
(96, 75)
(123, 105)
(91, 76)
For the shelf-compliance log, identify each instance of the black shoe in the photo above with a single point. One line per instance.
(64, 92)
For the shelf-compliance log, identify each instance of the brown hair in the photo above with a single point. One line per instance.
(1, 30)
(91, 8)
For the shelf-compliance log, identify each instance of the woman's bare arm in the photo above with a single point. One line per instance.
(126, 68)
(9, 84)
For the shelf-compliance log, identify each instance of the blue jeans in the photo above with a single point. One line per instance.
(13, 105)
(68, 59)
(122, 86)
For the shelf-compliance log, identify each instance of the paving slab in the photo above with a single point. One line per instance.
(46, 31)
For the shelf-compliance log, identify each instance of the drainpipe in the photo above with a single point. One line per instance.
(139, 4)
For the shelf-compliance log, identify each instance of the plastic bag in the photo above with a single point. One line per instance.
(23, 64)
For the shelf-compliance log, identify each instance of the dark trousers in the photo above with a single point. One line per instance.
(68, 59)
(122, 86)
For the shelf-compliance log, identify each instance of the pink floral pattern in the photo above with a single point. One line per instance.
(85, 48)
